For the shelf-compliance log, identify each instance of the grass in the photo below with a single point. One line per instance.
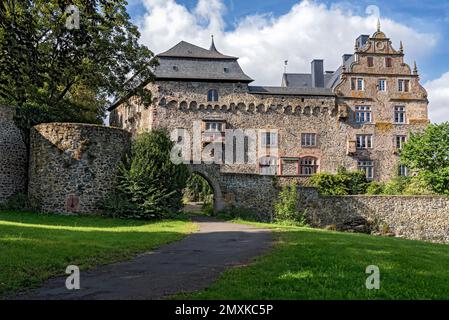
(316, 264)
(36, 247)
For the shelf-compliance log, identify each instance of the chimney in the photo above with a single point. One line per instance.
(362, 40)
(317, 73)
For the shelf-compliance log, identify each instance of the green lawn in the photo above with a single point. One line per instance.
(317, 264)
(35, 247)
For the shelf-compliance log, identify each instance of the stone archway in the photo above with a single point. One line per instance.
(211, 175)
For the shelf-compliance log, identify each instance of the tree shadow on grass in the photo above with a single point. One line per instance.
(35, 248)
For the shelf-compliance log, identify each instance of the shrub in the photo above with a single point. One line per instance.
(286, 208)
(343, 183)
(375, 188)
(149, 184)
(396, 186)
(17, 202)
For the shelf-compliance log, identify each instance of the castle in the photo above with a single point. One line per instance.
(358, 116)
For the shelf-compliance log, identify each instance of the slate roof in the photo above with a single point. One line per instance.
(291, 91)
(188, 50)
(300, 80)
(304, 80)
(186, 61)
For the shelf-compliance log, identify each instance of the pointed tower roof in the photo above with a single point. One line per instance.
(187, 50)
(186, 62)
(379, 34)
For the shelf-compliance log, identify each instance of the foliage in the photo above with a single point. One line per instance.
(286, 207)
(16, 202)
(198, 189)
(148, 180)
(208, 208)
(427, 153)
(375, 188)
(54, 73)
(343, 183)
(408, 186)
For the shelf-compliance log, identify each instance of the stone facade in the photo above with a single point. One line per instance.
(73, 166)
(412, 217)
(13, 156)
(321, 109)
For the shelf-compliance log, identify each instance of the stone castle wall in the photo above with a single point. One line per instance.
(72, 166)
(412, 217)
(13, 156)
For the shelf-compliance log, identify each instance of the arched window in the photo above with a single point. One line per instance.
(308, 166)
(212, 95)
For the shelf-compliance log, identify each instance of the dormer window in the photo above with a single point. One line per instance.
(212, 95)
(403, 85)
(370, 61)
(226, 70)
(388, 62)
(175, 68)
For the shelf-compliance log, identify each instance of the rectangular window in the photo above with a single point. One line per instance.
(308, 166)
(388, 62)
(357, 84)
(268, 166)
(399, 115)
(364, 141)
(370, 62)
(360, 85)
(269, 139)
(403, 85)
(363, 114)
(214, 126)
(403, 171)
(308, 139)
(368, 168)
(400, 141)
(382, 85)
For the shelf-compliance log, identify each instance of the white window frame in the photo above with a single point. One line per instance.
(364, 141)
(213, 126)
(363, 114)
(308, 166)
(368, 167)
(400, 115)
(359, 84)
(399, 141)
(272, 139)
(268, 166)
(382, 88)
(308, 140)
(403, 171)
(402, 86)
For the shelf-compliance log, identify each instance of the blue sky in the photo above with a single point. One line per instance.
(265, 33)
(426, 16)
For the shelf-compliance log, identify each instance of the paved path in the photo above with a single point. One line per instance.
(184, 266)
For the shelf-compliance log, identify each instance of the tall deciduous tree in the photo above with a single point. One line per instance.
(427, 153)
(52, 69)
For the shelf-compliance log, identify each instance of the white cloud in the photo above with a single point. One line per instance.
(263, 41)
(439, 98)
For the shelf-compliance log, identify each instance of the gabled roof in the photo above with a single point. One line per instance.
(188, 50)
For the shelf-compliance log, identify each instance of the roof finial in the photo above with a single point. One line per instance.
(356, 46)
(415, 68)
(212, 45)
(401, 47)
(378, 24)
